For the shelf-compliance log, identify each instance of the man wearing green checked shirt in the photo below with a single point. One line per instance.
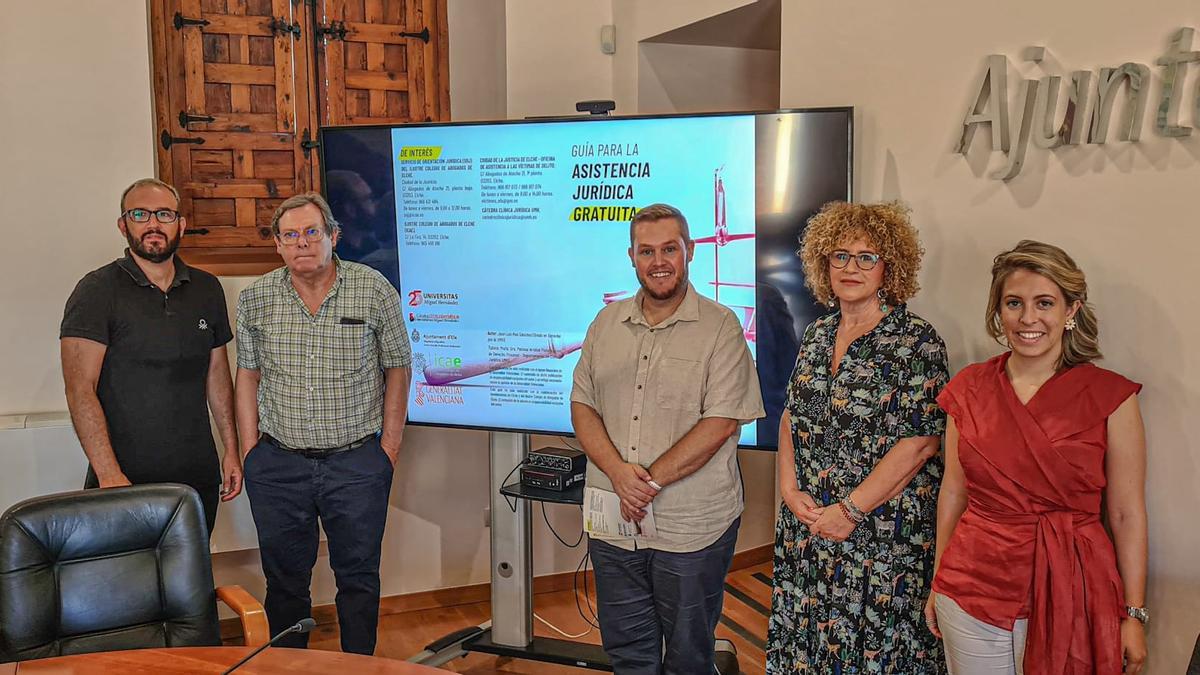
(321, 395)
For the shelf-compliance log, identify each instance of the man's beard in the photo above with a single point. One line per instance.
(681, 280)
(162, 255)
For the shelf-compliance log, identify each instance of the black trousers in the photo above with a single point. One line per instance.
(210, 496)
(348, 492)
(648, 600)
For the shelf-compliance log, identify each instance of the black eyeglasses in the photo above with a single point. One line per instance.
(143, 215)
(865, 261)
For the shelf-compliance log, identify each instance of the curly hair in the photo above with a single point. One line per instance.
(885, 225)
(1081, 345)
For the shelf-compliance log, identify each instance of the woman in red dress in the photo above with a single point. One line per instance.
(1028, 580)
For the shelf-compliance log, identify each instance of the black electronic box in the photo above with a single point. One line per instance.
(567, 460)
(549, 479)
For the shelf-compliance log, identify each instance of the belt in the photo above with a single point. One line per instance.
(318, 453)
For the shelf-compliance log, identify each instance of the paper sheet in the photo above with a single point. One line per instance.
(602, 516)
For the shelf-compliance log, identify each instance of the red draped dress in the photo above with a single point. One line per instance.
(1030, 543)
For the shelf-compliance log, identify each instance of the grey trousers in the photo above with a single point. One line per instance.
(658, 610)
(977, 648)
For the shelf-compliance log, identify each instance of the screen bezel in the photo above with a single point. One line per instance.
(848, 110)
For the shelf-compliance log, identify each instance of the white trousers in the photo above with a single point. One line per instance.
(977, 648)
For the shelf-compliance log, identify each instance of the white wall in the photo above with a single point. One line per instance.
(76, 127)
(554, 57)
(637, 20)
(478, 84)
(700, 78)
(1125, 211)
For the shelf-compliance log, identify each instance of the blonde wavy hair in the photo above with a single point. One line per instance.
(1081, 345)
(885, 226)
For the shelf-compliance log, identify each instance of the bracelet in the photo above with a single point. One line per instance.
(1140, 614)
(852, 512)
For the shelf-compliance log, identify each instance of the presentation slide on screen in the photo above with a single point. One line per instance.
(549, 204)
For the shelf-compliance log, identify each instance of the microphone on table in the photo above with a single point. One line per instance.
(301, 626)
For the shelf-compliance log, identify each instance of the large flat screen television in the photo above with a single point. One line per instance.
(506, 238)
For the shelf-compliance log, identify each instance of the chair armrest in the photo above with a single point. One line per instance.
(250, 611)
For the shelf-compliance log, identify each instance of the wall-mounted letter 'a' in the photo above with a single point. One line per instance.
(991, 94)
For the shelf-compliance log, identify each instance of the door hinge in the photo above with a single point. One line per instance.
(307, 143)
(423, 35)
(181, 21)
(335, 30)
(280, 26)
(186, 118)
(168, 140)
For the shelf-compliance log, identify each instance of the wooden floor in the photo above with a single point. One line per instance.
(744, 622)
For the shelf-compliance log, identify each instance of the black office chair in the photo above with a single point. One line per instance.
(104, 570)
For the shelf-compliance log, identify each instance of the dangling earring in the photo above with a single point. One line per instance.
(832, 303)
(883, 306)
(1070, 324)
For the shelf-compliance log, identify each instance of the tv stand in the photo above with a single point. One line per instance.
(510, 631)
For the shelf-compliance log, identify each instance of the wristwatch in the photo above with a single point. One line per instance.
(1140, 613)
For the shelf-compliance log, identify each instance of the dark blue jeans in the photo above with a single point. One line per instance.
(648, 597)
(348, 491)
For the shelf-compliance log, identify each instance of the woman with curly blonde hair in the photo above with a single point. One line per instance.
(857, 463)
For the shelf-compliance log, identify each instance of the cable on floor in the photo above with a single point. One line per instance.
(560, 631)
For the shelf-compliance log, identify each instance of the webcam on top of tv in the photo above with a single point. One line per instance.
(595, 107)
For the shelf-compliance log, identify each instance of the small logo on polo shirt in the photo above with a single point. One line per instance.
(203, 324)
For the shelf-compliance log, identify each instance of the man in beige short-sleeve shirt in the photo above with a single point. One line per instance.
(664, 382)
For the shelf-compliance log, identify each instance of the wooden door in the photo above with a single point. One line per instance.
(236, 75)
(382, 61)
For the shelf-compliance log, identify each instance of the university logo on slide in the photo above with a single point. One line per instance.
(415, 298)
(416, 335)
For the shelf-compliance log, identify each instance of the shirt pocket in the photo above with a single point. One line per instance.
(196, 336)
(679, 383)
(346, 350)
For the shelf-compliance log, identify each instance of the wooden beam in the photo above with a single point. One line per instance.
(238, 73)
(386, 80)
(234, 25)
(380, 33)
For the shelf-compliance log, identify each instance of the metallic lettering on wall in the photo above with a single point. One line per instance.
(1046, 134)
(1075, 122)
(1138, 77)
(1174, 62)
(992, 92)
(1086, 116)
(1016, 156)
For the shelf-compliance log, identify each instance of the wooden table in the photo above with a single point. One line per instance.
(215, 660)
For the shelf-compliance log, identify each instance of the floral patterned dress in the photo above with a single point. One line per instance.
(857, 606)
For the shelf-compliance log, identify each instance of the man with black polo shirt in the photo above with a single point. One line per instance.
(143, 356)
